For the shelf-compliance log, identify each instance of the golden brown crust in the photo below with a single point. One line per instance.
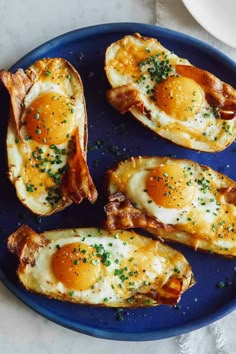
(165, 296)
(218, 93)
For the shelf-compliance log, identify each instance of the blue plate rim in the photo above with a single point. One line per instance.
(120, 26)
(30, 57)
(119, 335)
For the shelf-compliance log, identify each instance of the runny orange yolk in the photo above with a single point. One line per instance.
(170, 187)
(51, 118)
(179, 97)
(76, 266)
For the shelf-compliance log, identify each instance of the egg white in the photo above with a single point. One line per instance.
(117, 268)
(172, 216)
(206, 222)
(46, 282)
(64, 82)
(202, 131)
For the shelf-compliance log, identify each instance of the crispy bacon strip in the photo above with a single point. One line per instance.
(17, 85)
(121, 214)
(125, 97)
(164, 295)
(218, 93)
(170, 293)
(77, 183)
(230, 194)
(26, 243)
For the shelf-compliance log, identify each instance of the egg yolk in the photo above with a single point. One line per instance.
(51, 118)
(170, 187)
(179, 97)
(76, 266)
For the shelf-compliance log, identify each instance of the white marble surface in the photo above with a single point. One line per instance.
(24, 25)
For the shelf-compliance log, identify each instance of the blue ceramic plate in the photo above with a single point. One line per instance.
(122, 136)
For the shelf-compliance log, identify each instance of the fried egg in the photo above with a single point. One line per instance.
(178, 200)
(94, 266)
(47, 136)
(182, 103)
